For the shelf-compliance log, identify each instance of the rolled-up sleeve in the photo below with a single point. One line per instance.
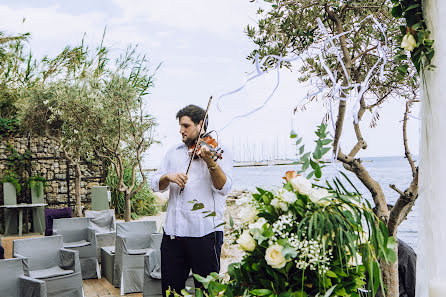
(163, 169)
(226, 164)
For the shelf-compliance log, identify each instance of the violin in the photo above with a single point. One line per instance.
(209, 142)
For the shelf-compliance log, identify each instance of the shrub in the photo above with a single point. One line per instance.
(142, 204)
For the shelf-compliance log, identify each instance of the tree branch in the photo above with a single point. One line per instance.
(403, 205)
(406, 146)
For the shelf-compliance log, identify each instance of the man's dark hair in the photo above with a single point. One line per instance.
(196, 114)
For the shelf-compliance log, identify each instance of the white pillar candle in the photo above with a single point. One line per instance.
(437, 288)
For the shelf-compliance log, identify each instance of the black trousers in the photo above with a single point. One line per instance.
(181, 254)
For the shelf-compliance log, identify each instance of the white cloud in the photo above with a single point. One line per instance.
(208, 15)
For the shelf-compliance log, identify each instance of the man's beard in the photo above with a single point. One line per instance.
(188, 141)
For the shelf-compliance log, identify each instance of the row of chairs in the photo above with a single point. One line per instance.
(55, 265)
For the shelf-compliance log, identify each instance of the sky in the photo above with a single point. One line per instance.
(202, 49)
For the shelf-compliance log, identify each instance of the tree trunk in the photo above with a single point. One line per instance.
(390, 276)
(77, 190)
(127, 207)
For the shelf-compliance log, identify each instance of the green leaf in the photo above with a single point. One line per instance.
(301, 149)
(231, 221)
(397, 11)
(326, 141)
(260, 292)
(331, 274)
(318, 172)
(198, 206)
(403, 69)
(313, 164)
(325, 150)
(212, 214)
(411, 7)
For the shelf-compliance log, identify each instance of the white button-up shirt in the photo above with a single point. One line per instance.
(181, 220)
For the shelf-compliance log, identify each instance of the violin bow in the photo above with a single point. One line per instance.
(196, 146)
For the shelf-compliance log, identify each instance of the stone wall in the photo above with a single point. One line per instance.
(47, 160)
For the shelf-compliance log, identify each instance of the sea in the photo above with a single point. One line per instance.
(385, 170)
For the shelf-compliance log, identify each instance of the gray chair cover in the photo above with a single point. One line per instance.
(100, 198)
(132, 243)
(14, 283)
(44, 258)
(152, 268)
(78, 236)
(104, 223)
(11, 215)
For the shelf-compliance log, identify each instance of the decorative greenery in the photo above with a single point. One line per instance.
(423, 51)
(11, 177)
(314, 159)
(16, 166)
(305, 240)
(37, 181)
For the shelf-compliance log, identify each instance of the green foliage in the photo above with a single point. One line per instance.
(289, 28)
(412, 12)
(312, 162)
(143, 203)
(11, 177)
(36, 181)
(329, 238)
(8, 126)
(16, 164)
(350, 240)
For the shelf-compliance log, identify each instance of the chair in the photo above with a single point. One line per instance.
(15, 284)
(77, 235)
(132, 243)
(45, 259)
(152, 269)
(100, 198)
(51, 214)
(11, 215)
(104, 223)
(38, 212)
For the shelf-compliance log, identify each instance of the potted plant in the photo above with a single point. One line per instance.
(36, 183)
(11, 178)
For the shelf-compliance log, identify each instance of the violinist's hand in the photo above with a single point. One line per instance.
(207, 156)
(178, 178)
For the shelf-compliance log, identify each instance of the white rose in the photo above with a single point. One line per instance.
(275, 203)
(408, 42)
(258, 224)
(318, 194)
(274, 257)
(288, 197)
(248, 214)
(302, 185)
(283, 206)
(246, 242)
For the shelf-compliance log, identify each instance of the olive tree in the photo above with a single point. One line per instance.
(343, 66)
(119, 126)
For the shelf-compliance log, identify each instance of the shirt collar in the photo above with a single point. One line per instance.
(181, 145)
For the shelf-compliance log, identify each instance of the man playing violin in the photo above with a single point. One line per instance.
(192, 240)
